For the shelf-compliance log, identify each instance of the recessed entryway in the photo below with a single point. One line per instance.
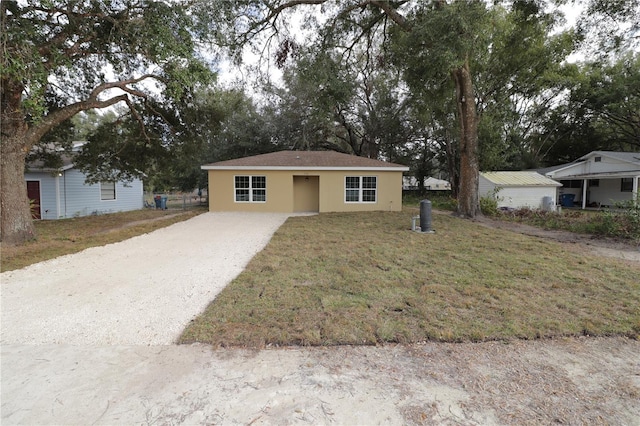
(306, 194)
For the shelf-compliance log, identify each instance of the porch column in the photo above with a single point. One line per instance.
(585, 182)
(636, 184)
(57, 180)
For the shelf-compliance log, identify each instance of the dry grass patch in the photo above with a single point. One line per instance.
(365, 278)
(66, 236)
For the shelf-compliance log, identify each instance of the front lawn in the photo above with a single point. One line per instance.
(65, 236)
(365, 278)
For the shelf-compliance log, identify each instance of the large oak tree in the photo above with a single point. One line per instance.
(84, 54)
(348, 24)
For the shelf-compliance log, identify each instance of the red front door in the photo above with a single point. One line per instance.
(33, 192)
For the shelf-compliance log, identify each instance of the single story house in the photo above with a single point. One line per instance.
(305, 181)
(519, 190)
(63, 193)
(598, 179)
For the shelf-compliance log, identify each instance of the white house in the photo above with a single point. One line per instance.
(63, 193)
(519, 189)
(598, 179)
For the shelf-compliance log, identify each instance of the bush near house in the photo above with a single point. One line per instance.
(621, 222)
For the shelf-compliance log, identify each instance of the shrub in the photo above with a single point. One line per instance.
(489, 203)
(621, 223)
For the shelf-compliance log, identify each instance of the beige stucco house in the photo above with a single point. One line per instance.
(305, 181)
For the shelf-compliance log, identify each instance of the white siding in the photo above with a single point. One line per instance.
(607, 193)
(590, 166)
(517, 196)
(485, 187)
(520, 197)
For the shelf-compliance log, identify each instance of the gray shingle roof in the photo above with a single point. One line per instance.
(304, 160)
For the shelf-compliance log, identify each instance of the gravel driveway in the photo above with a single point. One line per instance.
(87, 339)
(142, 291)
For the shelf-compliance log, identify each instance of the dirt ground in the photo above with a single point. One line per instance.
(576, 381)
(57, 376)
(601, 246)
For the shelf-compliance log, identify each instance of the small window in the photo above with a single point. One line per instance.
(250, 189)
(361, 189)
(107, 190)
(594, 182)
(626, 185)
(597, 159)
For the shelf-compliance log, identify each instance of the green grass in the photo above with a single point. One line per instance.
(65, 236)
(365, 278)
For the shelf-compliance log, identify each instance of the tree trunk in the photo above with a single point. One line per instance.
(16, 225)
(468, 201)
(17, 140)
(452, 164)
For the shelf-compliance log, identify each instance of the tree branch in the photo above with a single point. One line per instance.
(56, 117)
(392, 12)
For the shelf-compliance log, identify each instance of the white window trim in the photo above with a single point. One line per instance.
(250, 189)
(115, 193)
(360, 190)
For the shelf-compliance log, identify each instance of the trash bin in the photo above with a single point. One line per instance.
(163, 203)
(567, 200)
(158, 201)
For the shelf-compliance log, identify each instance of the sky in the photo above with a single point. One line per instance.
(230, 74)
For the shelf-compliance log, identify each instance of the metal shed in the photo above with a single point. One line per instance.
(519, 189)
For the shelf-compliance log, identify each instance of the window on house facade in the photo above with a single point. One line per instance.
(107, 190)
(250, 189)
(594, 182)
(597, 159)
(626, 185)
(361, 189)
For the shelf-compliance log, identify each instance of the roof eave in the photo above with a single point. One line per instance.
(311, 168)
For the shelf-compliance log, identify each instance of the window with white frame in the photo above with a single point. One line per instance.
(626, 185)
(250, 189)
(107, 190)
(361, 189)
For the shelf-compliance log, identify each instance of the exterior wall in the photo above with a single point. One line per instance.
(517, 196)
(608, 193)
(68, 196)
(332, 192)
(526, 196)
(280, 191)
(48, 205)
(590, 166)
(485, 187)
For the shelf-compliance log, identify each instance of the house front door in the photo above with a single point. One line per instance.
(33, 192)
(306, 194)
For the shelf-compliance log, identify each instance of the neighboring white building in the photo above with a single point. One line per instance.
(430, 184)
(519, 189)
(62, 193)
(599, 179)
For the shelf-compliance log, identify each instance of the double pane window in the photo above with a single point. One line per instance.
(361, 189)
(250, 189)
